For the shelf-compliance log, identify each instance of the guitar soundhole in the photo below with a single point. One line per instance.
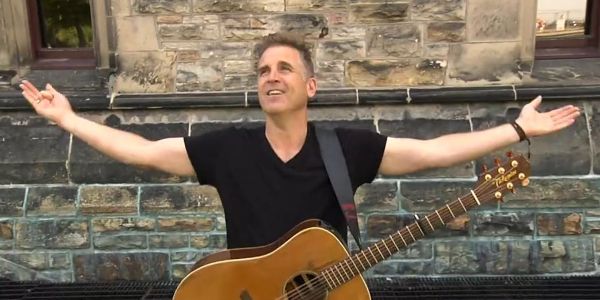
(305, 286)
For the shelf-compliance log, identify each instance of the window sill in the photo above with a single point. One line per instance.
(564, 53)
(63, 64)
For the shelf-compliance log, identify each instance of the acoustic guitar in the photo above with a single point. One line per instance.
(311, 263)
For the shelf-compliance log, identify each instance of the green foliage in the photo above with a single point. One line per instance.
(66, 23)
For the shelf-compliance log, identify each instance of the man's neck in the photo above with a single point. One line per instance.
(286, 136)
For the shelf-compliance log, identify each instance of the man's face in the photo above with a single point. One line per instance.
(283, 83)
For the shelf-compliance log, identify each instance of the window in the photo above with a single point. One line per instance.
(567, 29)
(61, 34)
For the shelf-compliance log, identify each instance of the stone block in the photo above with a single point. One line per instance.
(40, 261)
(52, 234)
(556, 193)
(457, 257)
(187, 32)
(161, 6)
(90, 166)
(121, 266)
(340, 50)
(190, 224)
(563, 153)
(146, 72)
(387, 73)
(108, 199)
(447, 10)
(6, 234)
(393, 41)
(11, 202)
(377, 196)
(170, 241)
(51, 201)
(503, 224)
(431, 195)
(32, 150)
(169, 19)
(199, 241)
(120, 242)
(450, 32)
(491, 20)
(559, 224)
(303, 5)
(136, 34)
(240, 82)
(236, 6)
(245, 28)
(180, 199)
(378, 13)
(565, 256)
(348, 32)
(112, 225)
(483, 63)
(201, 76)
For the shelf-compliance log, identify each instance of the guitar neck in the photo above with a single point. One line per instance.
(347, 269)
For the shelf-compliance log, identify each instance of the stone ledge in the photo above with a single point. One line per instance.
(99, 100)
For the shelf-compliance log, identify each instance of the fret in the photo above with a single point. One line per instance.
(475, 196)
(335, 276)
(421, 230)
(386, 247)
(411, 235)
(430, 225)
(438, 214)
(377, 247)
(349, 269)
(450, 210)
(355, 266)
(343, 269)
(391, 238)
(461, 204)
(365, 255)
(326, 280)
(373, 255)
(403, 241)
(360, 262)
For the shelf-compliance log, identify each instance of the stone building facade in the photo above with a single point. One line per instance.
(410, 68)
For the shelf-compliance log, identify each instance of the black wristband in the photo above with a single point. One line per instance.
(520, 132)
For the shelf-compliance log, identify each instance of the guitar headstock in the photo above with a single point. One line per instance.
(504, 177)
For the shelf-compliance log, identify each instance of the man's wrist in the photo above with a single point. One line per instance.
(520, 131)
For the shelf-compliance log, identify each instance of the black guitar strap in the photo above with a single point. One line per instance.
(335, 164)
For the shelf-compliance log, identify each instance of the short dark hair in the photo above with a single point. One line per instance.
(289, 39)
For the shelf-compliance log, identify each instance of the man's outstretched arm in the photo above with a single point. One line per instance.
(168, 155)
(403, 155)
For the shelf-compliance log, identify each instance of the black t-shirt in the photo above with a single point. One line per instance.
(264, 197)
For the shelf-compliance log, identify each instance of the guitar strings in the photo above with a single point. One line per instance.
(322, 285)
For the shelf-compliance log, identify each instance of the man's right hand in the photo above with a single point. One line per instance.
(48, 103)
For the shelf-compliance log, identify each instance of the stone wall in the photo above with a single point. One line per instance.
(183, 45)
(68, 213)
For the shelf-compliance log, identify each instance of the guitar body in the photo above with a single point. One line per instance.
(264, 273)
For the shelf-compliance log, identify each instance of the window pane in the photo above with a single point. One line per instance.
(561, 19)
(65, 23)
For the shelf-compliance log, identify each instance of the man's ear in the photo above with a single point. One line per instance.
(311, 87)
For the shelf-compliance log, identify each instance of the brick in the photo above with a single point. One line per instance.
(52, 234)
(51, 201)
(120, 242)
(559, 224)
(170, 241)
(377, 196)
(180, 199)
(503, 224)
(108, 199)
(11, 202)
(191, 224)
(393, 41)
(113, 225)
(121, 266)
(378, 13)
(565, 256)
(399, 72)
(451, 10)
(490, 20)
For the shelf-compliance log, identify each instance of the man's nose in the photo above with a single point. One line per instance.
(273, 76)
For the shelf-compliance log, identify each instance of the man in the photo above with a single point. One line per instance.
(271, 178)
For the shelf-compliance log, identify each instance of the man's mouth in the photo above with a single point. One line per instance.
(274, 92)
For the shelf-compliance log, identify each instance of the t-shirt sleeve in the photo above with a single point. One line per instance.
(204, 153)
(363, 150)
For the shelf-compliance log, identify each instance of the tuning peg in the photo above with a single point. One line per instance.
(512, 191)
(484, 168)
(509, 154)
(497, 162)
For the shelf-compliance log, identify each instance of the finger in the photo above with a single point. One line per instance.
(30, 98)
(536, 102)
(565, 111)
(47, 95)
(31, 87)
